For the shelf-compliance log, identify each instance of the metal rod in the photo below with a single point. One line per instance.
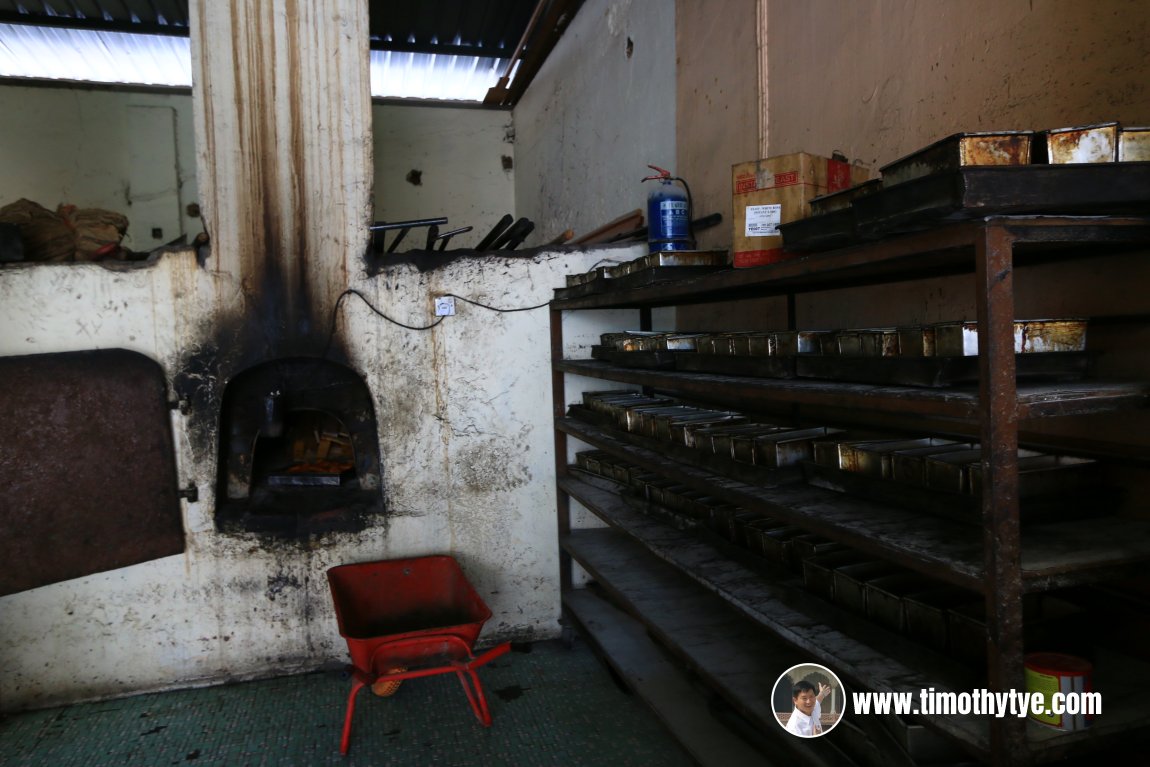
(496, 230)
(381, 226)
(446, 236)
(504, 238)
(398, 239)
(518, 237)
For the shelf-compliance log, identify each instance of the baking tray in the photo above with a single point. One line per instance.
(938, 372)
(751, 343)
(909, 466)
(915, 341)
(650, 421)
(819, 571)
(756, 529)
(812, 545)
(958, 151)
(778, 449)
(1036, 505)
(778, 546)
(754, 367)
(645, 360)
(601, 401)
(832, 220)
(843, 198)
(885, 603)
(865, 342)
(1134, 145)
(1083, 144)
(1047, 475)
(950, 472)
(575, 280)
(601, 281)
(310, 478)
(826, 231)
(851, 580)
(737, 524)
(717, 440)
(670, 259)
(976, 192)
(681, 431)
(926, 613)
(874, 459)
(956, 339)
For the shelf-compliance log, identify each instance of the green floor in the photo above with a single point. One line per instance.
(551, 705)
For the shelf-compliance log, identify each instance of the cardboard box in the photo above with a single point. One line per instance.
(778, 190)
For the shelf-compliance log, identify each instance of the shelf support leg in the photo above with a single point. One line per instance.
(998, 405)
(559, 411)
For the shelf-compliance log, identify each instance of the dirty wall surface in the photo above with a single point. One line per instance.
(464, 418)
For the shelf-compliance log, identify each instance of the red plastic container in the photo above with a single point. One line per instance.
(420, 615)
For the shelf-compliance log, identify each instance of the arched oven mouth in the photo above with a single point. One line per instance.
(299, 450)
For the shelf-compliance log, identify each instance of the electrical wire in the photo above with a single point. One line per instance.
(497, 309)
(362, 297)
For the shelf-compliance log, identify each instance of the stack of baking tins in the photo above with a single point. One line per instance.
(645, 270)
(945, 477)
(1094, 169)
(941, 354)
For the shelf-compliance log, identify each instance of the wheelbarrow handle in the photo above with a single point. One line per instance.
(489, 655)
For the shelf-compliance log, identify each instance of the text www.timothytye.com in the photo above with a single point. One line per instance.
(978, 702)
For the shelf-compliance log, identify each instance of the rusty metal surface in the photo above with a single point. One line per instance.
(1134, 145)
(1089, 143)
(956, 339)
(842, 199)
(88, 479)
(959, 151)
(1002, 535)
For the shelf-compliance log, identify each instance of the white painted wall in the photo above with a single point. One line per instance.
(76, 146)
(82, 146)
(466, 452)
(460, 154)
(593, 118)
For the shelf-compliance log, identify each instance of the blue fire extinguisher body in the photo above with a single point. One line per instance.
(668, 224)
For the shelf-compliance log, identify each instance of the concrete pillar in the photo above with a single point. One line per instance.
(283, 144)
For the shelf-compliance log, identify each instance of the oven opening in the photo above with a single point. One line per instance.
(299, 452)
(311, 449)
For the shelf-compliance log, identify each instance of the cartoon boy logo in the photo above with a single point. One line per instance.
(806, 688)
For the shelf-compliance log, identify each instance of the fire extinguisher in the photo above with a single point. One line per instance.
(668, 213)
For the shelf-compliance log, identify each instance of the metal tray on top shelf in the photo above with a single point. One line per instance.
(975, 192)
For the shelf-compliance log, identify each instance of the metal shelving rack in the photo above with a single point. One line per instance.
(991, 559)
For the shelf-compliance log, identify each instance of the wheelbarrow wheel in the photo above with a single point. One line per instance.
(384, 687)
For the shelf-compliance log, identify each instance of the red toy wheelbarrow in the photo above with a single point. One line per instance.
(409, 618)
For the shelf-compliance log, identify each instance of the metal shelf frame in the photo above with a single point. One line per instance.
(992, 248)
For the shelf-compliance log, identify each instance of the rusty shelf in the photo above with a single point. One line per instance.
(1040, 400)
(869, 656)
(999, 557)
(723, 641)
(928, 254)
(1054, 555)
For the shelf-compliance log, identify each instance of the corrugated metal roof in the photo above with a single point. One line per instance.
(157, 17)
(430, 49)
(437, 26)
